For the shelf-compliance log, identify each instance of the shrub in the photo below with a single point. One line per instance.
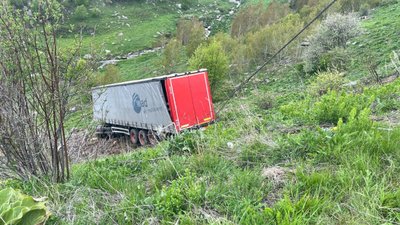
(191, 33)
(111, 75)
(212, 57)
(326, 81)
(334, 32)
(172, 55)
(267, 41)
(256, 16)
(338, 105)
(95, 12)
(81, 13)
(17, 208)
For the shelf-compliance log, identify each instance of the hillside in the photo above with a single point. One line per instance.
(293, 147)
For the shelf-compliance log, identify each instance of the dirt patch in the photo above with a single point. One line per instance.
(391, 118)
(278, 177)
(83, 146)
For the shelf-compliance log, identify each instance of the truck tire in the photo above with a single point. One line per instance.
(142, 135)
(134, 136)
(152, 137)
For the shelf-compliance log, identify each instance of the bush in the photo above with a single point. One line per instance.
(338, 105)
(81, 13)
(267, 41)
(256, 16)
(172, 55)
(334, 32)
(326, 81)
(191, 33)
(212, 57)
(95, 12)
(111, 75)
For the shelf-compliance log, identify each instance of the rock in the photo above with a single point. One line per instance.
(73, 109)
(88, 56)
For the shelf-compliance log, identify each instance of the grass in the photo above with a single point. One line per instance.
(122, 28)
(336, 164)
(378, 42)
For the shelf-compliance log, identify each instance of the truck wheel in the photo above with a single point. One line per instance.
(133, 136)
(152, 137)
(143, 140)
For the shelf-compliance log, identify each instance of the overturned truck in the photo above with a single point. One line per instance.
(148, 110)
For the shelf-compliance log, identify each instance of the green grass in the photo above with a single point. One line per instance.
(379, 40)
(338, 165)
(122, 28)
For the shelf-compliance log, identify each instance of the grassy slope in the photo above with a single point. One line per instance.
(380, 39)
(346, 174)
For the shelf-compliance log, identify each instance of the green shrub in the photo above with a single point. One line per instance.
(191, 33)
(326, 81)
(212, 57)
(95, 12)
(329, 108)
(334, 32)
(17, 208)
(110, 75)
(172, 55)
(336, 105)
(81, 12)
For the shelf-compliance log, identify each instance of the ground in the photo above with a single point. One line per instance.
(277, 154)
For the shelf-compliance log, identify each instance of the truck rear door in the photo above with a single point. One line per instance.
(190, 100)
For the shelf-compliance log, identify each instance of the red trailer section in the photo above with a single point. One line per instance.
(190, 100)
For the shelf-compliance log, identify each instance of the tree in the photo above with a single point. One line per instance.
(191, 33)
(172, 55)
(36, 83)
(212, 57)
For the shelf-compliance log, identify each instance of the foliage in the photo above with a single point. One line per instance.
(334, 32)
(172, 55)
(40, 88)
(256, 16)
(267, 41)
(81, 12)
(17, 208)
(326, 81)
(212, 57)
(191, 33)
(111, 75)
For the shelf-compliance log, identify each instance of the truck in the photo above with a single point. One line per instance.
(148, 110)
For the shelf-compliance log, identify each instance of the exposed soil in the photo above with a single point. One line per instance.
(83, 146)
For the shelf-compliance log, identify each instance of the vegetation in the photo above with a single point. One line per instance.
(212, 57)
(292, 148)
(17, 208)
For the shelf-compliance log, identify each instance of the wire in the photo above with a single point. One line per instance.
(274, 56)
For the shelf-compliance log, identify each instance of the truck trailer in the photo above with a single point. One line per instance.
(149, 109)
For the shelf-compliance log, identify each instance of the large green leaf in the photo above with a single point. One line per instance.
(17, 208)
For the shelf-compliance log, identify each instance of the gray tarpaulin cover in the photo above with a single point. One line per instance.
(139, 105)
